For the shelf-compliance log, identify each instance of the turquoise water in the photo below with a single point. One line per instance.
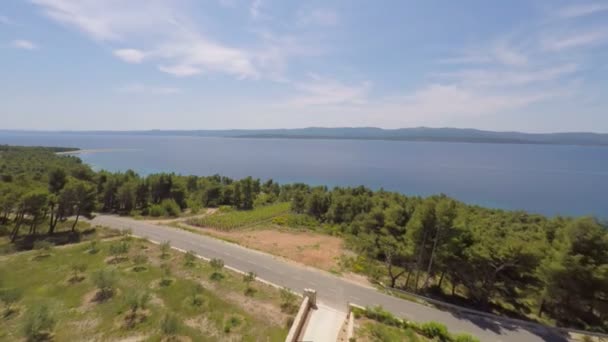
(567, 180)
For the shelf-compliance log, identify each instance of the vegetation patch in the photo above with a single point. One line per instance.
(376, 324)
(39, 304)
(240, 218)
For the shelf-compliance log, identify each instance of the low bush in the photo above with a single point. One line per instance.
(43, 245)
(157, 210)
(169, 325)
(436, 331)
(39, 323)
(9, 297)
(105, 281)
(171, 207)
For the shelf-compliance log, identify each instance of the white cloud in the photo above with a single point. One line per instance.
(577, 40)
(490, 77)
(5, 20)
(319, 91)
(318, 17)
(24, 44)
(255, 9)
(580, 10)
(130, 55)
(163, 33)
(499, 51)
(139, 88)
(509, 56)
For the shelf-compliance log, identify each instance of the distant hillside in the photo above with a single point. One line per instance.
(372, 133)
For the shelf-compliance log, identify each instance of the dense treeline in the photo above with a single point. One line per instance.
(557, 267)
(531, 265)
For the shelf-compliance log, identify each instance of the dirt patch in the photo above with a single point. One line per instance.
(308, 248)
(201, 323)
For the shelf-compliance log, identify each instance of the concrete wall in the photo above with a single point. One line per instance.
(308, 303)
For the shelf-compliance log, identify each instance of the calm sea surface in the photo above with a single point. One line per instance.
(567, 180)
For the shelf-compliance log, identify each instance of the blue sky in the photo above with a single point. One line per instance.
(527, 65)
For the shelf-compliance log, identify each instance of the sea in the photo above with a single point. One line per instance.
(545, 179)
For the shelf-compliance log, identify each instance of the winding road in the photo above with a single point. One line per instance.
(332, 290)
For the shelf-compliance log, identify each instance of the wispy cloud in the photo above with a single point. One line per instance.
(139, 88)
(317, 17)
(163, 33)
(499, 51)
(580, 10)
(4, 20)
(317, 91)
(502, 78)
(24, 44)
(576, 40)
(130, 55)
(255, 10)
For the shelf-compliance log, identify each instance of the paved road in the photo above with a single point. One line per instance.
(332, 291)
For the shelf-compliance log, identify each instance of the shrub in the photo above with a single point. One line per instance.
(217, 265)
(464, 338)
(9, 297)
(379, 314)
(140, 259)
(169, 324)
(119, 248)
(171, 207)
(189, 258)
(232, 322)
(166, 280)
(164, 249)
(43, 245)
(157, 211)
(197, 299)
(247, 279)
(435, 330)
(77, 269)
(39, 323)
(93, 247)
(288, 300)
(105, 281)
(136, 300)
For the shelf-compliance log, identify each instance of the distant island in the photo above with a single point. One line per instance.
(372, 133)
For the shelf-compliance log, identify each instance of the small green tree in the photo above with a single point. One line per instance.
(170, 324)
(119, 250)
(39, 323)
(197, 298)
(135, 300)
(140, 260)
(164, 249)
(165, 279)
(217, 265)
(93, 247)
(288, 300)
(105, 281)
(9, 297)
(248, 279)
(77, 270)
(189, 259)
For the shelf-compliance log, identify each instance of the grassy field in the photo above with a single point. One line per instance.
(63, 235)
(156, 294)
(233, 219)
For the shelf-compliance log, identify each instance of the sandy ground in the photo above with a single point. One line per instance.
(308, 248)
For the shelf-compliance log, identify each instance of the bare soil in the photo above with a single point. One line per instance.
(308, 248)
